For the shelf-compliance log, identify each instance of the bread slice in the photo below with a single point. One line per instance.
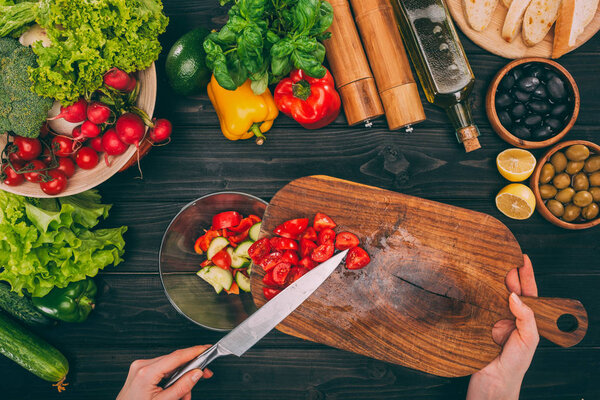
(479, 12)
(573, 17)
(514, 19)
(506, 3)
(539, 18)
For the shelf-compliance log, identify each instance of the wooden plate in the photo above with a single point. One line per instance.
(491, 40)
(87, 179)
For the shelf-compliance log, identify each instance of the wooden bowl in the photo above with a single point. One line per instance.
(535, 180)
(83, 180)
(490, 104)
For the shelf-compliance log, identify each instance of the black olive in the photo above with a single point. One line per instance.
(542, 133)
(536, 70)
(503, 100)
(540, 92)
(559, 110)
(507, 82)
(529, 83)
(518, 110)
(521, 96)
(539, 107)
(551, 74)
(532, 120)
(522, 133)
(556, 88)
(517, 73)
(505, 119)
(554, 124)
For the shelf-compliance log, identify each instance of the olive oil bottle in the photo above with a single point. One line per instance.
(440, 62)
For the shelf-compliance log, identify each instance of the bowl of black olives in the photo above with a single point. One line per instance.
(566, 185)
(532, 102)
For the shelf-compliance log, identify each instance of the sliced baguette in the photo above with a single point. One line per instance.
(479, 12)
(538, 19)
(514, 19)
(573, 17)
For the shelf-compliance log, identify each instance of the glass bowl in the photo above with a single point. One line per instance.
(178, 263)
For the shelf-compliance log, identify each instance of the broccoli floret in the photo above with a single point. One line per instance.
(21, 111)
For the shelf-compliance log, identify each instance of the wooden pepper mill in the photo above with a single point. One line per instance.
(382, 42)
(349, 65)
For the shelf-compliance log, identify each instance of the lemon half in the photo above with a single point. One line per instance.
(516, 201)
(516, 165)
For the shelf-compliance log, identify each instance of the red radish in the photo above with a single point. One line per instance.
(89, 129)
(98, 113)
(117, 79)
(130, 129)
(132, 83)
(77, 135)
(161, 131)
(111, 143)
(96, 144)
(76, 112)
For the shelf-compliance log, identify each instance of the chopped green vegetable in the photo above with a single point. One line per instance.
(47, 243)
(21, 111)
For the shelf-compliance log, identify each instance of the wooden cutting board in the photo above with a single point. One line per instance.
(433, 290)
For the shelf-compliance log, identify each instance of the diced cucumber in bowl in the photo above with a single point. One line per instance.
(255, 231)
(216, 245)
(237, 261)
(242, 281)
(242, 249)
(217, 277)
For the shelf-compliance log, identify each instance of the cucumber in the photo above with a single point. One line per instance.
(242, 249)
(217, 277)
(242, 281)
(22, 308)
(31, 352)
(255, 231)
(216, 245)
(236, 261)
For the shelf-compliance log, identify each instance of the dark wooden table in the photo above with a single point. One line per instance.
(134, 320)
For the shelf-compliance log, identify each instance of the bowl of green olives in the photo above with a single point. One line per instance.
(532, 102)
(566, 184)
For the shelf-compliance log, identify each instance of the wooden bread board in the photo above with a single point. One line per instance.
(433, 290)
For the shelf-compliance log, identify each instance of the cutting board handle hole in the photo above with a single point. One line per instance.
(567, 323)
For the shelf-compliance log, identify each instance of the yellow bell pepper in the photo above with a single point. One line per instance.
(242, 113)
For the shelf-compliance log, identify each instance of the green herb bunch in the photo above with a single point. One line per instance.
(265, 39)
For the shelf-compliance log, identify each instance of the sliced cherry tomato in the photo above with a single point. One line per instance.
(205, 263)
(254, 218)
(28, 148)
(234, 289)
(269, 293)
(293, 228)
(62, 146)
(281, 243)
(306, 247)
(56, 184)
(86, 158)
(244, 225)
(323, 253)
(270, 260)
(309, 234)
(11, 178)
(279, 231)
(268, 279)
(326, 236)
(222, 259)
(295, 274)
(346, 240)
(307, 263)
(280, 272)
(259, 249)
(357, 258)
(226, 219)
(322, 221)
(66, 166)
(291, 257)
(35, 166)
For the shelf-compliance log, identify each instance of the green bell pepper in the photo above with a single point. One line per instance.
(72, 303)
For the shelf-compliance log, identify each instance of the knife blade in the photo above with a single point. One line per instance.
(255, 327)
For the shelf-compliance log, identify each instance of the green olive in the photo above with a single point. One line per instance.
(590, 212)
(592, 164)
(580, 182)
(577, 152)
(547, 191)
(574, 167)
(556, 208)
(547, 173)
(571, 213)
(561, 181)
(566, 195)
(595, 191)
(559, 161)
(595, 179)
(582, 199)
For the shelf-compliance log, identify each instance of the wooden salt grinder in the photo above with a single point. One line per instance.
(387, 57)
(350, 68)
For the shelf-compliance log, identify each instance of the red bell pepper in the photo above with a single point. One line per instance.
(312, 102)
(226, 219)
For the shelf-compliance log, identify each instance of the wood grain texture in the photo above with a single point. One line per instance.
(491, 39)
(433, 290)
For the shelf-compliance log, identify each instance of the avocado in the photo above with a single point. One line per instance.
(185, 66)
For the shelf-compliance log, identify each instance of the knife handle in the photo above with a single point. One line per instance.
(200, 362)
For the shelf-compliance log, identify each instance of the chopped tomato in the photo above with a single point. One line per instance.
(254, 218)
(269, 293)
(234, 289)
(244, 225)
(307, 263)
(222, 259)
(295, 274)
(226, 219)
(306, 248)
(292, 228)
(280, 272)
(357, 258)
(309, 234)
(346, 240)
(280, 243)
(259, 249)
(290, 257)
(270, 260)
(323, 253)
(268, 279)
(327, 235)
(322, 221)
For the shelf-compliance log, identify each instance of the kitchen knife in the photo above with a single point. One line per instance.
(245, 335)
